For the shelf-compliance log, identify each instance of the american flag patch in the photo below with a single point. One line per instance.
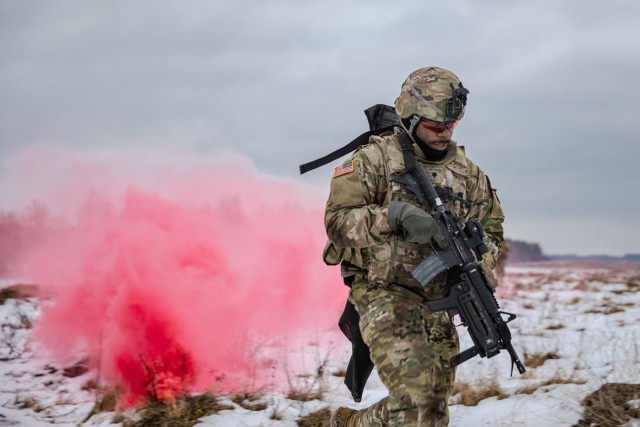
(345, 168)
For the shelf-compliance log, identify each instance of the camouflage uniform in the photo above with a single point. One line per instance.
(410, 346)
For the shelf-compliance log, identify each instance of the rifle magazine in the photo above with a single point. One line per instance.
(428, 269)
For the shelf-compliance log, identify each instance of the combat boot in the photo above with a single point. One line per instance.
(342, 416)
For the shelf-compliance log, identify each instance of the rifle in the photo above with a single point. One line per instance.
(469, 296)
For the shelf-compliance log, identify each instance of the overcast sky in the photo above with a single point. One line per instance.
(551, 118)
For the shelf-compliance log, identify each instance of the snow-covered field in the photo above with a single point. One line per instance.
(576, 330)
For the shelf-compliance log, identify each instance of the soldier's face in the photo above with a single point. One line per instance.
(434, 134)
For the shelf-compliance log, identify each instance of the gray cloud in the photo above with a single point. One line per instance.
(551, 116)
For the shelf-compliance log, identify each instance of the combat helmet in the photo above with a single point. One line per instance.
(432, 93)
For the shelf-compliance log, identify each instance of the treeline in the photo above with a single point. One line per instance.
(521, 251)
(518, 251)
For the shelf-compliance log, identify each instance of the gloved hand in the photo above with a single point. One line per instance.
(416, 224)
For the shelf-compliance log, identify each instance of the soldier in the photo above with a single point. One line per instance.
(380, 232)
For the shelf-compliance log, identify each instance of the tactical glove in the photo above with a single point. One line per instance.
(416, 224)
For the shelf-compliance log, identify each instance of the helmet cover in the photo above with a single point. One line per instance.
(434, 94)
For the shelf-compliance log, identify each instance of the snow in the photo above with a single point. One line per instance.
(585, 317)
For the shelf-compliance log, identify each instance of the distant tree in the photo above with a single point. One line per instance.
(521, 251)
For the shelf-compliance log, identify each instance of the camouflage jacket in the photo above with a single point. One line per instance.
(361, 190)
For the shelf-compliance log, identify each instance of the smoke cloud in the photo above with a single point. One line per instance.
(170, 272)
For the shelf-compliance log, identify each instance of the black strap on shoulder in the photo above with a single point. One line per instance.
(382, 118)
(357, 142)
(407, 151)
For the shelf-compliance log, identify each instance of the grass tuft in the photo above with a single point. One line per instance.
(552, 381)
(610, 406)
(19, 291)
(80, 368)
(106, 400)
(304, 395)
(249, 401)
(536, 360)
(555, 326)
(467, 395)
(340, 373)
(184, 412)
(320, 418)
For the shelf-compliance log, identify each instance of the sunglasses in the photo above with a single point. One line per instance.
(438, 127)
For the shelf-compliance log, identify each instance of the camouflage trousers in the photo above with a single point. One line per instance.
(411, 348)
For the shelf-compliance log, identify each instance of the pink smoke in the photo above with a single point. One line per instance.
(167, 278)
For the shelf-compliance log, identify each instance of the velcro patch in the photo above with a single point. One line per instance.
(345, 168)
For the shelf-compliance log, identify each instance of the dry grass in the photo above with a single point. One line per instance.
(80, 368)
(185, 412)
(632, 284)
(106, 400)
(307, 387)
(555, 326)
(320, 418)
(250, 401)
(188, 409)
(606, 309)
(582, 285)
(538, 359)
(341, 373)
(19, 291)
(8, 293)
(468, 395)
(609, 406)
(552, 381)
(304, 395)
(29, 403)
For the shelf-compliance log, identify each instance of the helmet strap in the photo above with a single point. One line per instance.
(409, 125)
(413, 122)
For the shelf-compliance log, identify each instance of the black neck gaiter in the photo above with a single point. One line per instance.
(431, 154)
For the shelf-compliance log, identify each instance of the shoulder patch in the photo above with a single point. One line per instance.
(345, 168)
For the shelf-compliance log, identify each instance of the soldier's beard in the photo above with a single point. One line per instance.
(432, 154)
(439, 145)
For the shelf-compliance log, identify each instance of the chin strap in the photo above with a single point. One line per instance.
(413, 122)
